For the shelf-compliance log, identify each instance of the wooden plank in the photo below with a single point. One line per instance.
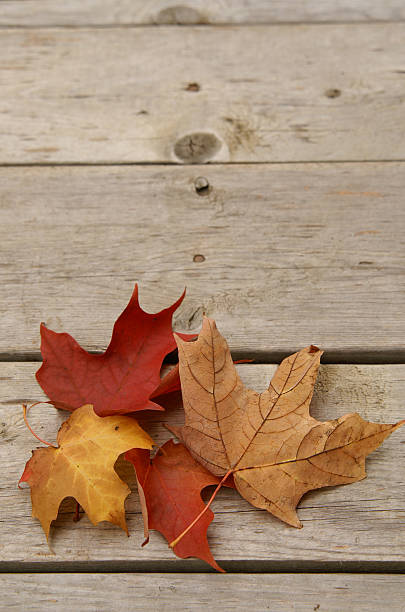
(276, 592)
(359, 524)
(262, 94)
(293, 254)
(186, 12)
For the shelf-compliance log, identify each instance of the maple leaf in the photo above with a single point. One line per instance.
(275, 450)
(171, 484)
(121, 380)
(169, 383)
(82, 466)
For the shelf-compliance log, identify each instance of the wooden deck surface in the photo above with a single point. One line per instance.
(294, 116)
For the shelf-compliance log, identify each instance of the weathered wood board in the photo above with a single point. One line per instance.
(187, 12)
(360, 524)
(165, 592)
(260, 94)
(281, 256)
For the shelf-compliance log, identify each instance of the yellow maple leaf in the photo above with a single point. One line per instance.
(82, 466)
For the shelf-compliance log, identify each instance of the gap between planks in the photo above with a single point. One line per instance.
(134, 26)
(220, 164)
(194, 566)
(331, 357)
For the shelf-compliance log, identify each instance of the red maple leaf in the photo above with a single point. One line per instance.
(125, 377)
(171, 485)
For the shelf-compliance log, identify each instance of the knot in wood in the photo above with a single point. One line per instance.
(198, 147)
(180, 15)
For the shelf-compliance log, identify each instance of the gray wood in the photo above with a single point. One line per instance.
(267, 93)
(129, 12)
(294, 254)
(164, 592)
(359, 524)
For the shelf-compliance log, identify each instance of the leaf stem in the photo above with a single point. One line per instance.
(183, 533)
(25, 412)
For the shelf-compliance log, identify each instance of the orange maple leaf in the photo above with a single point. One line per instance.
(275, 450)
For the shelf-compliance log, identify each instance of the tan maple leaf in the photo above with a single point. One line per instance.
(83, 467)
(269, 441)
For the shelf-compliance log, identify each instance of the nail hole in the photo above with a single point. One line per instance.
(332, 93)
(201, 185)
(198, 258)
(193, 87)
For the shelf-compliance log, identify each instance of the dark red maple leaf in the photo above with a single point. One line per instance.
(171, 484)
(121, 380)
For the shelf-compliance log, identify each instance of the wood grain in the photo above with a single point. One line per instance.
(261, 94)
(357, 524)
(277, 592)
(186, 12)
(281, 256)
